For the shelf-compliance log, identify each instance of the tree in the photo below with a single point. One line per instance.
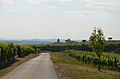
(58, 40)
(97, 43)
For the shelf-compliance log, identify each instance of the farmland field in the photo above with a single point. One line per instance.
(70, 68)
(109, 61)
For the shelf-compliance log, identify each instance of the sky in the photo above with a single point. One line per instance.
(48, 19)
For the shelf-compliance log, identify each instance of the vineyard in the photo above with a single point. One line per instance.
(9, 52)
(109, 61)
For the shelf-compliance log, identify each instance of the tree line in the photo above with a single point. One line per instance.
(111, 47)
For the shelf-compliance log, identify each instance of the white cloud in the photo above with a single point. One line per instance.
(108, 4)
(52, 7)
(85, 13)
(74, 14)
(36, 1)
(39, 1)
(6, 2)
(64, 0)
(14, 11)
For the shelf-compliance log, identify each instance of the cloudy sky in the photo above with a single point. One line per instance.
(44, 19)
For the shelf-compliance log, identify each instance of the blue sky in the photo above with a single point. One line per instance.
(44, 19)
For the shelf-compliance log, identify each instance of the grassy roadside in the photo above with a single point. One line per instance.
(70, 68)
(19, 62)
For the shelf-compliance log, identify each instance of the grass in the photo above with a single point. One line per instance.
(70, 68)
(14, 65)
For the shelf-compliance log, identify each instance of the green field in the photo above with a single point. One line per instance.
(110, 61)
(70, 68)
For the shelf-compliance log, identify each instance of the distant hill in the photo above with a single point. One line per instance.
(32, 41)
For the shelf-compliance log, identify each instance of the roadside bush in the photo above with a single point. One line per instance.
(9, 52)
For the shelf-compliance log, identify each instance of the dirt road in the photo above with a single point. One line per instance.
(40, 67)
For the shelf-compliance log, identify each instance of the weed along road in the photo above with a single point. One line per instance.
(40, 67)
